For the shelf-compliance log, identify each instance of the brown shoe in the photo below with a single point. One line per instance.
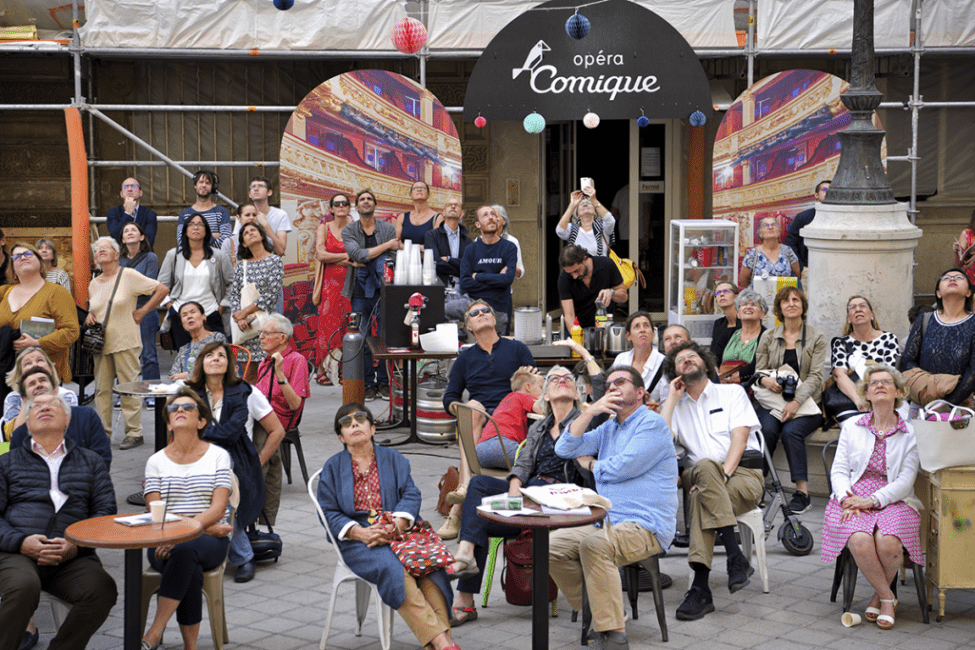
(451, 528)
(130, 442)
(457, 497)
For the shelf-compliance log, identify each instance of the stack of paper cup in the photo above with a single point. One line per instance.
(429, 267)
(399, 272)
(416, 266)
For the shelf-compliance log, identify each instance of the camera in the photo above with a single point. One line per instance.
(788, 384)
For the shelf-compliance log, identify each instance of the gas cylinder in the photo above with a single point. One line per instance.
(353, 369)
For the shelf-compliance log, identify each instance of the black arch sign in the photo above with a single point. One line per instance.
(632, 59)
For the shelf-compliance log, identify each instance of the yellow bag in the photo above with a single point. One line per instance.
(627, 267)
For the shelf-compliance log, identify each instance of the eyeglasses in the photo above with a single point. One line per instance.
(359, 416)
(561, 379)
(952, 276)
(679, 360)
(721, 292)
(130, 187)
(619, 382)
(482, 310)
(880, 382)
(263, 333)
(181, 406)
(340, 204)
(857, 305)
(26, 254)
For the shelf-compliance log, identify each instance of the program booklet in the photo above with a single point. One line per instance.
(142, 520)
(37, 327)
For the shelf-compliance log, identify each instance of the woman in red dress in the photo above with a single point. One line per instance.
(330, 251)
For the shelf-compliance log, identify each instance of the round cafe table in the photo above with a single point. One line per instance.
(540, 526)
(105, 532)
(144, 389)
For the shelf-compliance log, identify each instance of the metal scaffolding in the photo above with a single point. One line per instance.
(750, 52)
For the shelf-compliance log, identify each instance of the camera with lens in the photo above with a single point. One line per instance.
(788, 384)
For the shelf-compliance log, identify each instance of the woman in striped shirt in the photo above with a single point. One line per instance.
(194, 477)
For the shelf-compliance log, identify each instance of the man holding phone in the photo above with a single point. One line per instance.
(714, 423)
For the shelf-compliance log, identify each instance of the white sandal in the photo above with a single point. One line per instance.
(885, 622)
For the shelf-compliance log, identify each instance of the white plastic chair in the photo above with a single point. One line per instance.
(751, 527)
(344, 574)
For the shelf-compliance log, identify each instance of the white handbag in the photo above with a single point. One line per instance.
(248, 296)
(774, 402)
(946, 440)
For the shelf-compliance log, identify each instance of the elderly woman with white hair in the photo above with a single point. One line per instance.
(873, 510)
(738, 355)
(113, 298)
(592, 225)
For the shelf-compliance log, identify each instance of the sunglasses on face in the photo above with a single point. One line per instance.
(721, 292)
(358, 416)
(340, 204)
(482, 310)
(180, 406)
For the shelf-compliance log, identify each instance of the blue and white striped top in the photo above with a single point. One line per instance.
(189, 488)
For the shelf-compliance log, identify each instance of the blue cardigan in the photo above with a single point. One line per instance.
(378, 565)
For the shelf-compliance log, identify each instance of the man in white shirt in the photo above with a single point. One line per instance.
(714, 423)
(275, 221)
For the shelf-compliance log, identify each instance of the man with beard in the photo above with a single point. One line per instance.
(714, 423)
(637, 471)
(586, 281)
(488, 266)
(368, 242)
(205, 184)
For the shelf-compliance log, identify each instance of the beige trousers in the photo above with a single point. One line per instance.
(424, 609)
(595, 553)
(715, 503)
(273, 471)
(125, 366)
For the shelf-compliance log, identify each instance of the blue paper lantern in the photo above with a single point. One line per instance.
(643, 121)
(698, 118)
(534, 123)
(577, 26)
(284, 5)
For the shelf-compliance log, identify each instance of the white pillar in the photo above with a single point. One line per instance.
(863, 250)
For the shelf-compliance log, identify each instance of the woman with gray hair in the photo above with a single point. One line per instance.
(119, 289)
(873, 510)
(738, 356)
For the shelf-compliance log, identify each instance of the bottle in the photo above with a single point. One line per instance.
(415, 331)
(576, 332)
(548, 329)
(190, 362)
(602, 320)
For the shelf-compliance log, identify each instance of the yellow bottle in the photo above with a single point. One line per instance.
(576, 333)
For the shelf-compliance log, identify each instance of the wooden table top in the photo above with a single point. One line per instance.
(105, 532)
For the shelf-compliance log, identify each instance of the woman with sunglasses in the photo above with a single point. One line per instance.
(873, 510)
(537, 464)
(356, 484)
(724, 299)
(332, 306)
(738, 352)
(196, 271)
(416, 223)
(194, 478)
(770, 257)
(941, 343)
(32, 296)
(235, 407)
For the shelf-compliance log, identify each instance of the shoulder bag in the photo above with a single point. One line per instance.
(627, 268)
(93, 341)
(248, 296)
(837, 407)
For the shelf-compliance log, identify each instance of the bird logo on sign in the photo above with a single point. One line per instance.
(534, 57)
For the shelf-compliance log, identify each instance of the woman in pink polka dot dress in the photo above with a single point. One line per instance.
(873, 509)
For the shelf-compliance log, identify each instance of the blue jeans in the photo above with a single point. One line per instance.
(489, 452)
(793, 435)
(150, 362)
(240, 545)
(368, 307)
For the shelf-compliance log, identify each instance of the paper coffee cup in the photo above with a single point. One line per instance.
(158, 510)
(850, 619)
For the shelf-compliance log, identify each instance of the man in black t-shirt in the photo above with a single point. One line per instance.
(586, 280)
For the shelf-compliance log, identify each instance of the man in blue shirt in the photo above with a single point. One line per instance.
(205, 183)
(637, 471)
(131, 210)
(488, 267)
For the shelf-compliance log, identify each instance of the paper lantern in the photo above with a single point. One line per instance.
(591, 120)
(409, 35)
(577, 26)
(698, 118)
(643, 121)
(534, 123)
(480, 122)
(284, 5)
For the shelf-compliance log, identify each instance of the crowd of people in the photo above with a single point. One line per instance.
(667, 398)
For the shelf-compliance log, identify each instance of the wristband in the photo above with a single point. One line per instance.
(726, 477)
(590, 358)
(282, 382)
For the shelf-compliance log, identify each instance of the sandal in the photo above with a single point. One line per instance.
(469, 571)
(322, 378)
(871, 613)
(885, 622)
(471, 615)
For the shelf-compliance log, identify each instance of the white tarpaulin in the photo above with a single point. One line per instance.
(801, 24)
(470, 24)
(948, 22)
(241, 24)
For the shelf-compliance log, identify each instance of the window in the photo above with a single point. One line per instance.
(412, 106)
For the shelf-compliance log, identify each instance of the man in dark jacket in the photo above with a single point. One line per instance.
(47, 484)
(132, 210)
(448, 242)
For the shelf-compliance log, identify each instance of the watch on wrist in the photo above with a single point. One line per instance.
(282, 382)
(875, 500)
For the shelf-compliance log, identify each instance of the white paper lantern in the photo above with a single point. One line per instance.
(591, 120)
